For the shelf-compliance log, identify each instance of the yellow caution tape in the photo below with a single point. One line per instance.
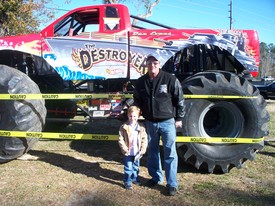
(107, 96)
(198, 96)
(108, 137)
(63, 96)
(219, 140)
(53, 135)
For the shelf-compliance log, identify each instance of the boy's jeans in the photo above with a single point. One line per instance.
(131, 170)
(167, 130)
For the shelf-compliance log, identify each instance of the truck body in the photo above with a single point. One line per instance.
(96, 49)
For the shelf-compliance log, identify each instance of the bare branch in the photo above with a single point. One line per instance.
(110, 1)
(150, 7)
(149, 10)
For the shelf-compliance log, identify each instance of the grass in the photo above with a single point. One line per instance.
(271, 108)
(80, 173)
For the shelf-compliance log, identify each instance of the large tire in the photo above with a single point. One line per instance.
(21, 115)
(243, 118)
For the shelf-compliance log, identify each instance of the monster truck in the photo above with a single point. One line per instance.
(96, 49)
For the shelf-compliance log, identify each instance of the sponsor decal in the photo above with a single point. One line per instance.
(105, 106)
(98, 113)
(89, 55)
(91, 108)
(116, 107)
(114, 71)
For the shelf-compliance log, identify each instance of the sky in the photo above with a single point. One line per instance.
(210, 14)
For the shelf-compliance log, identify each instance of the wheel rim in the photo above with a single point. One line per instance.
(221, 119)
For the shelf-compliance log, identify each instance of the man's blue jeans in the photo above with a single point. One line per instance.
(167, 130)
(131, 170)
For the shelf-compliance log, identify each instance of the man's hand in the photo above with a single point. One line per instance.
(178, 124)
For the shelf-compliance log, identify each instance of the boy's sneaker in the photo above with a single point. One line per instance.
(128, 186)
(172, 191)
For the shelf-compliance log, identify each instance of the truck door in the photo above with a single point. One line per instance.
(89, 44)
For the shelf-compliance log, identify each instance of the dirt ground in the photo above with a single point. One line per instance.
(84, 173)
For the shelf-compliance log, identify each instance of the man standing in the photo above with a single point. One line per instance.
(160, 97)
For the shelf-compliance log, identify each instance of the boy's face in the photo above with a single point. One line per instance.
(133, 117)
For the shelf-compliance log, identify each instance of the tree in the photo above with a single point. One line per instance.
(23, 16)
(145, 5)
(267, 64)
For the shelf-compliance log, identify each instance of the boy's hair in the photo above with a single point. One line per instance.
(133, 109)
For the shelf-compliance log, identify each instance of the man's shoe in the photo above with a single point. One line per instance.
(137, 183)
(151, 183)
(172, 191)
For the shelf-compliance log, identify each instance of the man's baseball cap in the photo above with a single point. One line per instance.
(153, 56)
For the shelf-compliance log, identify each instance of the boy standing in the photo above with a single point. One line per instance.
(133, 143)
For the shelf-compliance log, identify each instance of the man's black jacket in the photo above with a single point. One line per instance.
(160, 98)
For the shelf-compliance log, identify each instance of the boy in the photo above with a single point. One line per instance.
(133, 143)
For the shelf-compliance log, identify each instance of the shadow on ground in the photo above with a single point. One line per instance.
(108, 150)
(71, 164)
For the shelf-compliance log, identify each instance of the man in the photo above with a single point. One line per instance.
(160, 97)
